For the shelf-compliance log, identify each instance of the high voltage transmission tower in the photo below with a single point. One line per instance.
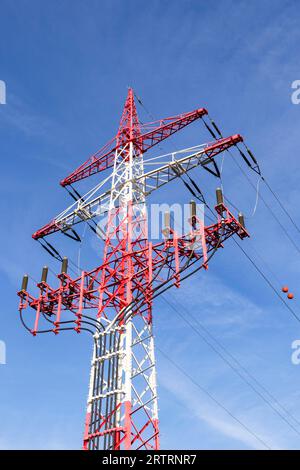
(114, 300)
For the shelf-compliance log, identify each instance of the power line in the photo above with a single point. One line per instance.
(258, 195)
(265, 263)
(266, 204)
(267, 281)
(281, 205)
(185, 319)
(215, 400)
(236, 371)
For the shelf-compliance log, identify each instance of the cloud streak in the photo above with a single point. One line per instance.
(199, 407)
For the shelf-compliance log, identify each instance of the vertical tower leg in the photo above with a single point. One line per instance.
(122, 403)
(122, 411)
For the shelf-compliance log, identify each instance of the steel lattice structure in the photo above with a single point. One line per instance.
(122, 411)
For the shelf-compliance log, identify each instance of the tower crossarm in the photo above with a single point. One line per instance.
(160, 130)
(166, 168)
(182, 162)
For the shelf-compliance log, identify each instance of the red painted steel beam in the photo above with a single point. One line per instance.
(47, 229)
(222, 144)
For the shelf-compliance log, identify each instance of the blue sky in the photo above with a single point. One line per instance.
(67, 66)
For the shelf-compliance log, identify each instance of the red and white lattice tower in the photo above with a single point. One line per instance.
(122, 410)
(123, 394)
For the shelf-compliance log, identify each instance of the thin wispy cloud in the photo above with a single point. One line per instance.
(214, 303)
(199, 407)
(20, 116)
